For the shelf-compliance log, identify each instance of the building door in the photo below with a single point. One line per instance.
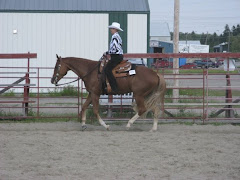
(158, 50)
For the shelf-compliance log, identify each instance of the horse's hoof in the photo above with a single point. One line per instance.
(107, 127)
(128, 127)
(153, 130)
(84, 127)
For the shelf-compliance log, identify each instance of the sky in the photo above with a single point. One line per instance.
(197, 15)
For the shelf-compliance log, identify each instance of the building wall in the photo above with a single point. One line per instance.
(137, 33)
(80, 35)
(83, 35)
(47, 34)
(167, 47)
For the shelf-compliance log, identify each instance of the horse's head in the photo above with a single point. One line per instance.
(60, 71)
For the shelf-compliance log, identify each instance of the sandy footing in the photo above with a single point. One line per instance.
(62, 151)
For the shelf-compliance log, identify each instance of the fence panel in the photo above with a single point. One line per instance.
(205, 94)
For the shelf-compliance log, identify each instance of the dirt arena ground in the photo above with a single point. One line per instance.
(62, 151)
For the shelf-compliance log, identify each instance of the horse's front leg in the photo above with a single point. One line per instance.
(83, 112)
(95, 103)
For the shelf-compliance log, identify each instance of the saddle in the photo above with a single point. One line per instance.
(124, 69)
(121, 70)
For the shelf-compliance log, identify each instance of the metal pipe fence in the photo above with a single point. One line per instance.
(204, 94)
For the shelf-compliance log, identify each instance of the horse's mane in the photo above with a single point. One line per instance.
(88, 61)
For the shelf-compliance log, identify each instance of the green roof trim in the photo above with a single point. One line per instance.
(76, 6)
(100, 12)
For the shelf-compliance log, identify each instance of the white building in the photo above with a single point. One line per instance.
(192, 47)
(160, 32)
(76, 28)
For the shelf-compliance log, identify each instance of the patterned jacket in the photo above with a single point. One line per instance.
(116, 44)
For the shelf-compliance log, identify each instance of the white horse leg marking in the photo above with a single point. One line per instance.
(102, 122)
(157, 113)
(84, 118)
(131, 121)
(95, 102)
(155, 123)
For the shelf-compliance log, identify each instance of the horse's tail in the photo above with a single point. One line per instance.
(155, 100)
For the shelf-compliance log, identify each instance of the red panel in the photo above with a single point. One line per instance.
(18, 56)
(181, 55)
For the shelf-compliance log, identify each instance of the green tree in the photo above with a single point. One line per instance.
(203, 38)
(214, 39)
(238, 29)
(234, 31)
(225, 33)
(235, 44)
(193, 35)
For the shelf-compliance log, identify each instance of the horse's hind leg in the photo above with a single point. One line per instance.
(132, 120)
(95, 102)
(156, 113)
(83, 112)
(141, 109)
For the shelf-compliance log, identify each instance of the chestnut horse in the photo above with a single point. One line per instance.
(147, 86)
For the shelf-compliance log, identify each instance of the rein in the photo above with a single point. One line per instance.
(79, 77)
(67, 82)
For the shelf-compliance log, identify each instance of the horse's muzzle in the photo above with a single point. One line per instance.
(54, 80)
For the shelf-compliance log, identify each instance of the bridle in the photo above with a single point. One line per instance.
(57, 75)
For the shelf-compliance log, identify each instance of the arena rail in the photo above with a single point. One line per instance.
(229, 114)
(195, 102)
(5, 87)
(181, 55)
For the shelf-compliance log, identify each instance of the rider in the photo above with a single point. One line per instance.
(116, 53)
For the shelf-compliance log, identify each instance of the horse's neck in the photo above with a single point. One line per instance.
(79, 66)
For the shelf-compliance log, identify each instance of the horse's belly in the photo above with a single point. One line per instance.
(124, 84)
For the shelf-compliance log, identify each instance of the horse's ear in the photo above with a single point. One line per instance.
(57, 56)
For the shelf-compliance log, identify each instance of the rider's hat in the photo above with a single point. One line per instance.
(115, 25)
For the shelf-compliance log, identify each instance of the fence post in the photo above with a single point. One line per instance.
(79, 118)
(25, 96)
(110, 100)
(205, 111)
(229, 112)
(38, 91)
(26, 89)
